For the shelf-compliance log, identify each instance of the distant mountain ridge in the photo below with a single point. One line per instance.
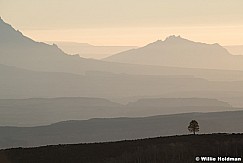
(180, 52)
(90, 51)
(44, 111)
(21, 51)
(177, 102)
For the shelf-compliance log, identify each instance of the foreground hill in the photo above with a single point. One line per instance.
(180, 52)
(114, 129)
(174, 149)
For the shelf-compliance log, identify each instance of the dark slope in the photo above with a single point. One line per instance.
(174, 149)
(113, 129)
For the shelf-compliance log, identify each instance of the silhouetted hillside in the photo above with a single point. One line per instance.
(114, 129)
(174, 149)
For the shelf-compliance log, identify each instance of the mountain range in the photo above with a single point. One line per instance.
(22, 52)
(30, 67)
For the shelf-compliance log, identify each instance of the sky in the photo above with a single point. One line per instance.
(126, 22)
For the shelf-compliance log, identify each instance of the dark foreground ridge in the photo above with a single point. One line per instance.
(170, 149)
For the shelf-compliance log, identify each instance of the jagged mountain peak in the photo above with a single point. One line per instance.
(174, 39)
(171, 40)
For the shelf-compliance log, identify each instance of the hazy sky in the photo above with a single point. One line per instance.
(126, 22)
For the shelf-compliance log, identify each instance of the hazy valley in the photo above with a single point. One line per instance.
(50, 97)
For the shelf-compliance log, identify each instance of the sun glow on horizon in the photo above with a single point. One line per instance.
(224, 35)
(126, 22)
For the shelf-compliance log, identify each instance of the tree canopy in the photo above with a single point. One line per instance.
(193, 126)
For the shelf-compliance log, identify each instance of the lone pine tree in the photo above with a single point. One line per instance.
(193, 126)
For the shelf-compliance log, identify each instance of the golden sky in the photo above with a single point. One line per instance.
(126, 22)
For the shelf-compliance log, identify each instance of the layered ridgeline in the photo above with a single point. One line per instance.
(44, 111)
(180, 52)
(20, 84)
(113, 129)
(20, 51)
(33, 69)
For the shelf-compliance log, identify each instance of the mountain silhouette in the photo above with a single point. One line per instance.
(180, 52)
(20, 51)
